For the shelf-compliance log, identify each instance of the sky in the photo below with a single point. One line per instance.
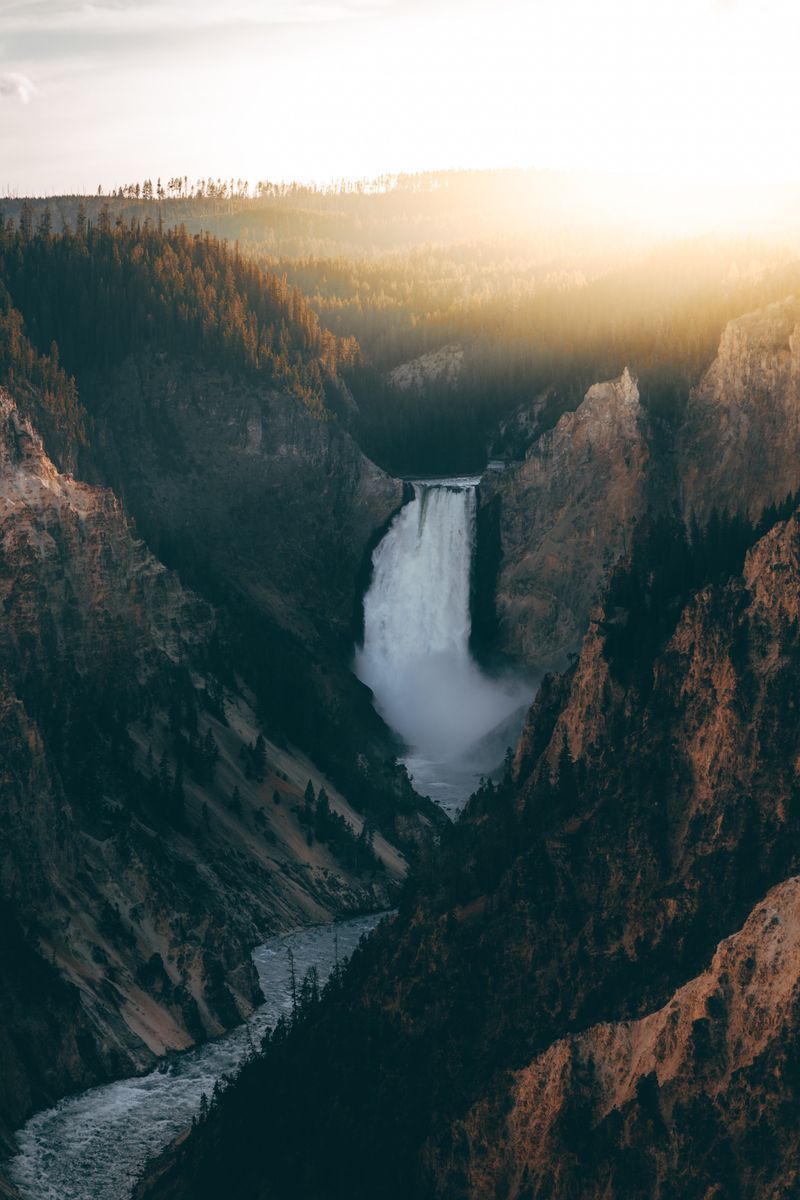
(113, 91)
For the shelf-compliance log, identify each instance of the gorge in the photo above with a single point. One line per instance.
(258, 688)
(568, 982)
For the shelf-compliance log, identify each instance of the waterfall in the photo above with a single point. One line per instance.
(415, 656)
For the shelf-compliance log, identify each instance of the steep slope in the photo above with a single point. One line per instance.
(552, 528)
(271, 511)
(148, 842)
(739, 447)
(210, 396)
(563, 517)
(654, 805)
(691, 1100)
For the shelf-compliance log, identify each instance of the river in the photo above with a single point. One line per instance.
(95, 1145)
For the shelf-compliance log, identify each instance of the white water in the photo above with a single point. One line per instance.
(415, 656)
(95, 1145)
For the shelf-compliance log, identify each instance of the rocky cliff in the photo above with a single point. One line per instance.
(270, 511)
(689, 1100)
(147, 843)
(552, 527)
(563, 517)
(739, 448)
(273, 500)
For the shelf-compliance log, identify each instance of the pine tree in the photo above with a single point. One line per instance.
(164, 779)
(310, 799)
(26, 221)
(260, 757)
(210, 754)
(178, 797)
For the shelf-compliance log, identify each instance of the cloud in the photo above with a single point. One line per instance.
(16, 87)
(153, 16)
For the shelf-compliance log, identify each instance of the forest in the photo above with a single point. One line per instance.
(92, 297)
(491, 262)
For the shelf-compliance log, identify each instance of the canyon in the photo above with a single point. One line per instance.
(238, 658)
(592, 988)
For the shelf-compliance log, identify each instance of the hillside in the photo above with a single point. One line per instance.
(148, 843)
(162, 723)
(212, 414)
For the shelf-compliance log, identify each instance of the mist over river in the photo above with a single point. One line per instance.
(456, 720)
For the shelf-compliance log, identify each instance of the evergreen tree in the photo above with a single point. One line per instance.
(178, 798)
(260, 757)
(309, 798)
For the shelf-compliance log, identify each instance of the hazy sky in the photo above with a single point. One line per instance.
(111, 91)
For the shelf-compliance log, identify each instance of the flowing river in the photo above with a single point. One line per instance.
(95, 1145)
(456, 720)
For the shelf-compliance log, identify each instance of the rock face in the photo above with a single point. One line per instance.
(564, 516)
(131, 887)
(82, 587)
(271, 512)
(442, 366)
(247, 484)
(739, 448)
(687, 1100)
(552, 527)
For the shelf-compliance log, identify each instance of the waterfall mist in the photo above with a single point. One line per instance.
(456, 720)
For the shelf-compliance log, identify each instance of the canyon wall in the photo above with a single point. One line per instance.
(563, 516)
(146, 846)
(554, 525)
(739, 447)
(271, 512)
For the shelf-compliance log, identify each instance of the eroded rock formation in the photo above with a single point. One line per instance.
(556, 523)
(565, 515)
(739, 447)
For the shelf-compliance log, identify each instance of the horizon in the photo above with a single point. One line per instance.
(316, 91)
(520, 199)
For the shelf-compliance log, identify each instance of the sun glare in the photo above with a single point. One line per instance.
(691, 107)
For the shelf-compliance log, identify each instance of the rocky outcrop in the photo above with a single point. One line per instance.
(277, 503)
(739, 447)
(144, 846)
(688, 1100)
(77, 583)
(563, 517)
(552, 528)
(436, 368)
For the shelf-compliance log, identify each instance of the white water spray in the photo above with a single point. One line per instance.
(416, 656)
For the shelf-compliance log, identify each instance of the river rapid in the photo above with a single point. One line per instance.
(94, 1146)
